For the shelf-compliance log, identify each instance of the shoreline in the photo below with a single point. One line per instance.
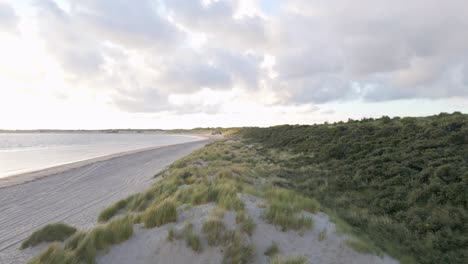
(25, 177)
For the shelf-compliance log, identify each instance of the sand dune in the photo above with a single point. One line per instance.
(76, 194)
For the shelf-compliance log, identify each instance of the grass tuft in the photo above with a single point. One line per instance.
(159, 215)
(248, 226)
(214, 231)
(280, 213)
(49, 233)
(170, 234)
(193, 241)
(322, 235)
(111, 211)
(272, 250)
(54, 254)
(360, 246)
(237, 251)
(288, 260)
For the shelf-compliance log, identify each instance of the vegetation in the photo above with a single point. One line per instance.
(83, 247)
(193, 241)
(272, 250)
(277, 259)
(109, 212)
(248, 226)
(322, 235)
(160, 214)
(237, 249)
(214, 231)
(55, 255)
(402, 182)
(49, 233)
(359, 246)
(170, 234)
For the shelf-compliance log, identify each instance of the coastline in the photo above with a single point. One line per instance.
(28, 176)
(76, 194)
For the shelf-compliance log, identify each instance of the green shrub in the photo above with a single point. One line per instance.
(272, 250)
(49, 233)
(159, 215)
(395, 181)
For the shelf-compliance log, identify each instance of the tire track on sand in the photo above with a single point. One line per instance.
(77, 196)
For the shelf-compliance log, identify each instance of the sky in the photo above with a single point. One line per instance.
(96, 64)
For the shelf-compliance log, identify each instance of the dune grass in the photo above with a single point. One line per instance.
(170, 234)
(361, 246)
(281, 213)
(216, 174)
(49, 233)
(83, 247)
(109, 212)
(214, 231)
(237, 250)
(241, 215)
(160, 214)
(193, 241)
(285, 209)
(54, 254)
(277, 259)
(322, 235)
(272, 250)
(248, 226)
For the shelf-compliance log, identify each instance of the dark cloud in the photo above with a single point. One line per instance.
(8, 18)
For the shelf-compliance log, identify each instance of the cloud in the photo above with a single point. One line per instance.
(387, 49)
(8, 18)
(145, 53)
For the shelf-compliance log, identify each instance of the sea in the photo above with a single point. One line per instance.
(27, 152)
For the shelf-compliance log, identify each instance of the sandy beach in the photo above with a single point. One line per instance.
(75, 193)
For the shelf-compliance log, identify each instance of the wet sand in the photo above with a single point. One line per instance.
(75, 193)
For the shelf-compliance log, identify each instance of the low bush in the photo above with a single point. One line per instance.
(49, 233)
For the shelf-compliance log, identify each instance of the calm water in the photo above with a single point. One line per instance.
(21, 153)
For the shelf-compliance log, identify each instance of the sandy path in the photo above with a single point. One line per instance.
(77, 196)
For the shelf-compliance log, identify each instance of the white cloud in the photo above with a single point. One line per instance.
(231, 58)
